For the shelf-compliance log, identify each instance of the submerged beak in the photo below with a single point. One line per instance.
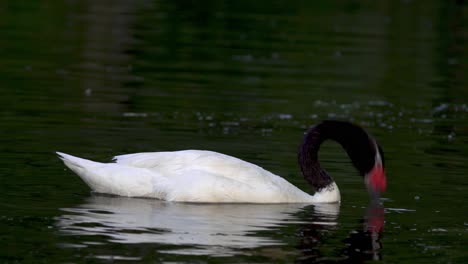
(375, 180)
(374, 195)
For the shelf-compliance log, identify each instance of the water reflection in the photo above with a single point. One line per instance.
(363, 244)
(211, 229)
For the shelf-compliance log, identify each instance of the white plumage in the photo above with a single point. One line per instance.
(192, 176)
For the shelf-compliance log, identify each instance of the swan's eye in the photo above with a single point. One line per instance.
(375, 179)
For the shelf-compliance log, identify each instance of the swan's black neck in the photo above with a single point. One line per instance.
(361, 149)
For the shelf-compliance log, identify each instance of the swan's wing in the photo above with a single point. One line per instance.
(151, 160)
(213, 163)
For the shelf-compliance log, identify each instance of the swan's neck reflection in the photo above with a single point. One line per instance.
(362, 244)
(214, 229)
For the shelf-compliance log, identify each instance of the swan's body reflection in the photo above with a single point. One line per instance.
(220, 228)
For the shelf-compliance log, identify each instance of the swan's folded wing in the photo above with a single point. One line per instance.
(141, 160)
(151, 160)
(171, 164)
(174, 159)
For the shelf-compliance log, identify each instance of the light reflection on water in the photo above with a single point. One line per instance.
(213, 229)
(380, 114)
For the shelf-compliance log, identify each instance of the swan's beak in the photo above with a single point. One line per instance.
(375, 180)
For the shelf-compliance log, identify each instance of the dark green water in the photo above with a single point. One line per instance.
(246, 78)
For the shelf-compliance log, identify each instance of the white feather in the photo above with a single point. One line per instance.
(192, 176)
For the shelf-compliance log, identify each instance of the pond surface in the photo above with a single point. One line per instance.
(246, 78)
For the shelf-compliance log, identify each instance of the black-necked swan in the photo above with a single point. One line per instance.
(211, 177)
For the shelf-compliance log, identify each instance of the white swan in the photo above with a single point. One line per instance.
(211, 177)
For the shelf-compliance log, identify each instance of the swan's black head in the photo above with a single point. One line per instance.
(364, 152)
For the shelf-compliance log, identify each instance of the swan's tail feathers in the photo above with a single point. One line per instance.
(112, 178)
(77, 165)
